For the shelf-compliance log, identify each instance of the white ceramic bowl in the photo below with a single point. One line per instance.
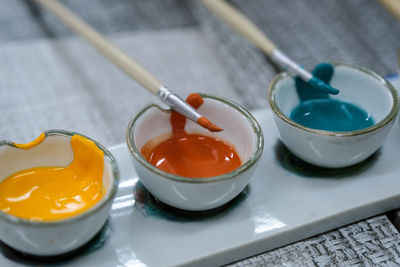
(358, 86)
(195, 194)
(61, 236)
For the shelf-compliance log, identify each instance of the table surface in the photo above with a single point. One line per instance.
(52, 79)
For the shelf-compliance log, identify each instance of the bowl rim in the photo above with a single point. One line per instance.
(259, 146)
(386, 120)
(83, 215)
(398, 61)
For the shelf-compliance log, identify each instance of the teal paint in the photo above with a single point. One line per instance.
(331, 115)
(321, 86)
(306, 91)
(318, 111)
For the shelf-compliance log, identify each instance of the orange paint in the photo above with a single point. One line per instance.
(195, 100)
(54, 193)
(191, 155)
(208, 125)
(34, 143)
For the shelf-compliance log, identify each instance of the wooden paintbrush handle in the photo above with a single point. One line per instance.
(241, 24)
(393, 6)
(122, 60)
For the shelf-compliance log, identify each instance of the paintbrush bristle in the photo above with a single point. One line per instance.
(208, 125)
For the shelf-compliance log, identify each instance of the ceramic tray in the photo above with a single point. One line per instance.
(287, 200)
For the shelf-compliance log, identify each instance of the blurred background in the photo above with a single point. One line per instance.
(46, 67)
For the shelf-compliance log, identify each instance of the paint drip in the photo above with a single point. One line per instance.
(318, 111)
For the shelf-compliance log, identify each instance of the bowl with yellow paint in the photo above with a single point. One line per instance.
(55, 192)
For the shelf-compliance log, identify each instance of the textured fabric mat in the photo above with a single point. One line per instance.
(23, 19)
(373, 242)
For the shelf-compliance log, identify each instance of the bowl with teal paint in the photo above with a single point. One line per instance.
(334, 131)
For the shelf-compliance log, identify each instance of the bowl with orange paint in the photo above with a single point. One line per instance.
(187, 167)
(55, 192)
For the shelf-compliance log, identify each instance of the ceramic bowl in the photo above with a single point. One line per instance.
(358, 86)
(61, 236)
(195, 194)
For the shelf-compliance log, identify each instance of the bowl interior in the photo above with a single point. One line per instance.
(356, 85)
(154, 123)
(55, 150)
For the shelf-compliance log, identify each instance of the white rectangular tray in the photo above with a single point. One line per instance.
(285, 202)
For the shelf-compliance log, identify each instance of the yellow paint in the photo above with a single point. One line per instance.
(34, 143)
(54, 193)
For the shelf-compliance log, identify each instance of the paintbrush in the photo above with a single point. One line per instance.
(393, 6)
(127, 64)
(248, 29)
